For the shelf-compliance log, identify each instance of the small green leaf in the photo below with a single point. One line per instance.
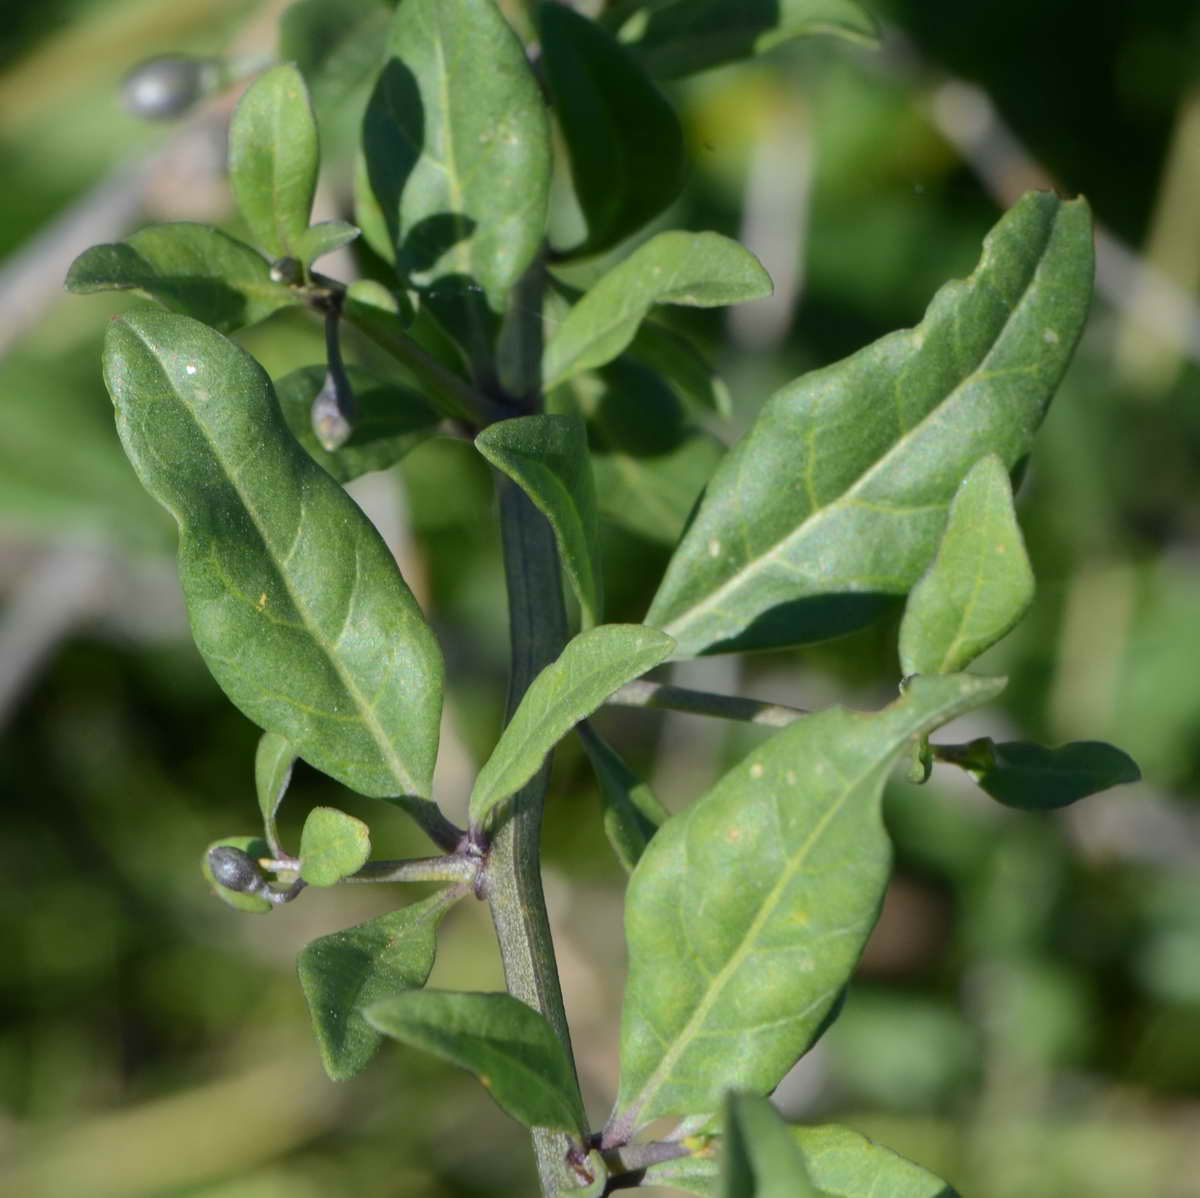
(632, 813)
(187, 268)
(683, 367)
(760, 1158)
(701, 270)
(507, 1045)
(392, 421)
(685, 36)
(589, 669)
(342, 973)
(978, 585)
(333, 845)
(257, 848)
(547, 457)
(274, 158)
(273, 763)
(835, 499)
(748, 911)
(1034, 778)
(296, 603)
(323, 238)
(624, 141)
(458, 147)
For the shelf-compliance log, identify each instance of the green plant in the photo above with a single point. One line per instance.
(883, 476)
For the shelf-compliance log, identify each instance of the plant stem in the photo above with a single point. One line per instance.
(662, 696)
(451, 868)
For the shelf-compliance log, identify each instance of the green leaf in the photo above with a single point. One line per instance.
(323, 238)
(296, 604)
(458, 147)
(274, 158)
(624, 141)
(686, 36)
(349, 970)
(747, 912)
(391, 421)
(761, 1159)
(835, 499)
(979, 584)
(187, 268)
(507, 1045)
(632, 813)
(273, 761)
(1034, 778)
(589, 669)
(700, 270)
(333, 845)
(547, 457)
(683, 367)
(256, 847)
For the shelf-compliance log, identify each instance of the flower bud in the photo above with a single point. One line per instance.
(234, 869)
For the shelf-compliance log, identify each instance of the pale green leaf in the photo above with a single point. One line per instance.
(274, 158)
(296, 603)
(345, 972)
(323, 238)
(187, 268)
(547, 457)
(333, 845)
(589, 669)
(273, 761)
(760, 1158)
(507, 1045)
(701, 270)
(748, 911)
(979, 584)
(835, 499)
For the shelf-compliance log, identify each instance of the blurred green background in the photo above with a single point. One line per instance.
(1027, 1017)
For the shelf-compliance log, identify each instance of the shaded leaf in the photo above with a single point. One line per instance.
(273, 761)
(296, 604)
(342, 973)
(323, 238)
(835, 498)
(978, 585)
(683, 367)
(333, 845)
(256, 847)
(589, 669)
(547, 457)
(624, 141)
(507, 1045)
(760, 1158)
(748, 911)
(701, 270)
(188, 268)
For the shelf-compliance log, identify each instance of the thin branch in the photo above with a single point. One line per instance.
(661, 696)
(453, 867)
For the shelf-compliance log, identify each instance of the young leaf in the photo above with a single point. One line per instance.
(547, 457)
(342, 973)
(333, 845)
(323, 238)
(296, 603)
(187, 268)
(624, 141)
(589, 669)
(1034, 778)
(748, 911)
(835, 498)
(761, 1159)
(458, 147)
(392, 421)
(507, 1045)
(632, 814)
(273, 761)
(255, 847)
(700, 270)
(979, 584)
(685, 36)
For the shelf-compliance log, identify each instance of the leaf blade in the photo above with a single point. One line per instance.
(760, 1157)
(273, 761)
(333, 845)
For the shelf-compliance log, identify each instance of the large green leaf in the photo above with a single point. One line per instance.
(349, 970)
(547, 457)
(333, 845)
(835, 498)
(274, 158)
(589, 669)
(391, 421)
(624, 141)
(679, 37)
(979, 584)
(507, 1045)
(296, 604)
(273, 761)
(699, 270)
(187, 268)
(458, 147)
(747, 912)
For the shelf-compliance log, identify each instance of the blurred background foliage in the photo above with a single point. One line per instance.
(1027, 1017)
